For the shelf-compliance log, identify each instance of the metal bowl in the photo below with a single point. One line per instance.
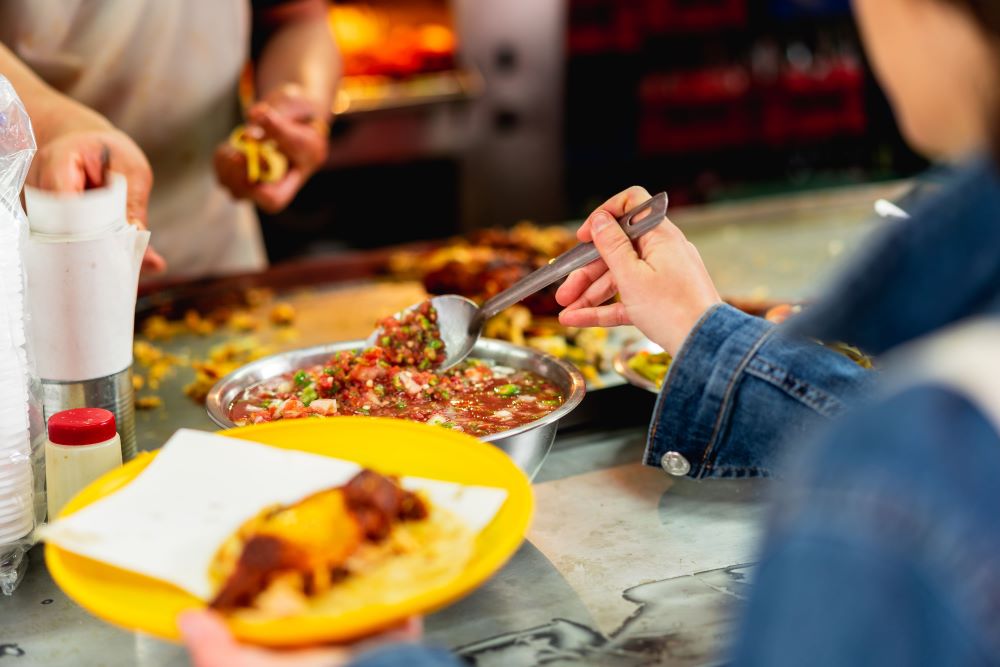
(527, 445)
(621, 360)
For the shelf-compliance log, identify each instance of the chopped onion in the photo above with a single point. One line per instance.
(324, 406)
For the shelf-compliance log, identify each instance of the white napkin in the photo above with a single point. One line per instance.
(82, 262)
(169, 522)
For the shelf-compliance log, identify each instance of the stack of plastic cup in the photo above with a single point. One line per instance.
(16, 479)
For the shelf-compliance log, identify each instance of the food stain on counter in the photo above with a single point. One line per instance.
(681, 622)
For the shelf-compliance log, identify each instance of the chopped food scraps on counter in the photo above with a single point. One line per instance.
(148, 402)
(258, 324)
(222, 360)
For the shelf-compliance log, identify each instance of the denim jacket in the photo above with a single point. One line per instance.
(884, 546)
(741, 389)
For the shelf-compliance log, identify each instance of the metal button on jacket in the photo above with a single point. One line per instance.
(675, 464)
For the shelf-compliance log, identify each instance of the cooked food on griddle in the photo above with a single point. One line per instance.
(488, 261)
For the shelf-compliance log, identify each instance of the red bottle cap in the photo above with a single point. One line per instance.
(81, 426)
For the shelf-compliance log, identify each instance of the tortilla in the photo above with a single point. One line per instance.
(413, 557)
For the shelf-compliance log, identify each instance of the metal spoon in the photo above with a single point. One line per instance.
(461, 320)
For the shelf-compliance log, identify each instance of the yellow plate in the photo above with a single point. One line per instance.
(389, 446)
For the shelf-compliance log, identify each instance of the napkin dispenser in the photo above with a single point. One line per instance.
(82, 262)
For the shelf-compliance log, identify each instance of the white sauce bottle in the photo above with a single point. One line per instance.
(83, 444)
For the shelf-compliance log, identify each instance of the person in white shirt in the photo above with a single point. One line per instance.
(150, 88)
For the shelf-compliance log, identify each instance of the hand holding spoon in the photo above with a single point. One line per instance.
(461, 320)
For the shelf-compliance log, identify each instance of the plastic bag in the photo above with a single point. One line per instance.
(22, 428)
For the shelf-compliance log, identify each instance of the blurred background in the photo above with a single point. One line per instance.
(456, 115)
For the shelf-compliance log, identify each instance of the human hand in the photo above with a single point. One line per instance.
(211, 645)
(300, 131)
(664, 287)
(78, 157)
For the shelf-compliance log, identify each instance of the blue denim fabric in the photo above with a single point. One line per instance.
(884, 548)
(739, 388)
(922, 274)
(407, 655)
(884, 545)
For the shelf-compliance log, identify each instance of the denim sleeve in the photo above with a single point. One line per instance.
(882, 549)
(407, 655)
(738, 389)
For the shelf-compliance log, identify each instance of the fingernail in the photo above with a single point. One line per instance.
(600, 220)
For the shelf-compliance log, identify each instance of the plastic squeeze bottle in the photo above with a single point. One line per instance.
(83, 444)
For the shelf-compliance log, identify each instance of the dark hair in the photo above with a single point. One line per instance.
(986, 12)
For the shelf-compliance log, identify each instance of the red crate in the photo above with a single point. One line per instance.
(825, 102)
(666, 16)
(603, 26)
(699, 110)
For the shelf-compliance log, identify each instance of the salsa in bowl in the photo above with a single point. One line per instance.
(478, 397)
(527, 443)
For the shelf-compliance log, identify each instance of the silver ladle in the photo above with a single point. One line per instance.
(461, 320)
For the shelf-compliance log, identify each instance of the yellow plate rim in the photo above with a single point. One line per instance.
(516, 511)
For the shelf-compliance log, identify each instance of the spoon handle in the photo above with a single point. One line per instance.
(575, 258)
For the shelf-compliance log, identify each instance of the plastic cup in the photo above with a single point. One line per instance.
(13, 477)
(17, 532)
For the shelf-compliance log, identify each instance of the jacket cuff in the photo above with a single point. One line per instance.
(691, 411)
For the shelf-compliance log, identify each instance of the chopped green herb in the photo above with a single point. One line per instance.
(301, 378)
(308, 395)
(435, 344)
(386, 340)
(507, 390)
(379, 390)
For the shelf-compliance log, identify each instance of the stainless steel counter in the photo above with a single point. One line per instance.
(623, 566)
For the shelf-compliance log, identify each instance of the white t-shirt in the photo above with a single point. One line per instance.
(166, 73)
